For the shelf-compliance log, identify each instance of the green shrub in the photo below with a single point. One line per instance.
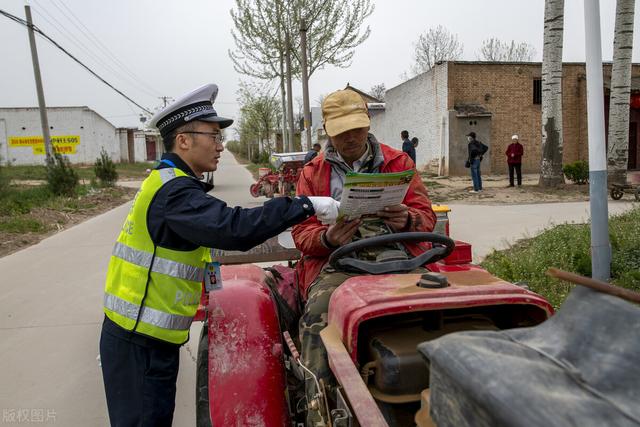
(578, 172)
(61, 178)
(568, 247)
(260, 157)
(105, 169)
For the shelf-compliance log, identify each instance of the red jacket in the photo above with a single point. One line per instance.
(315, 181)
(517, 150)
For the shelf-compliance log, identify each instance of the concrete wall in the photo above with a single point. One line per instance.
(94, 131)
(140, 146)
(418, 105)
(122, 142)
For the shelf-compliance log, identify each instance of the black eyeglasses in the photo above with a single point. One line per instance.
(217, 136)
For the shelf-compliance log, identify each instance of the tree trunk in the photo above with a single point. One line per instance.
(618, 149)
(289, 95)
(551, 165)
(283, 99)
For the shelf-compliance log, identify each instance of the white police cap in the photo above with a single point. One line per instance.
(196, 105)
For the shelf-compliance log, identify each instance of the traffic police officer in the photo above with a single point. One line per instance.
(155, 274)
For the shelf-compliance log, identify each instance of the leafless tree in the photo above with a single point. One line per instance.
(378, 91)
(551, 164)
(495, 50)
(435, 45)
(618, 149)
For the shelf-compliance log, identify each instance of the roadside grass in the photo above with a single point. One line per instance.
(39, 172)
(21, 225)
(567, 247)
(22, 206)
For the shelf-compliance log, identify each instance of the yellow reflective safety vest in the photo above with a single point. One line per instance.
(149, 289)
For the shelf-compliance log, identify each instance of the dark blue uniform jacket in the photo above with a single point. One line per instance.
(182, 216)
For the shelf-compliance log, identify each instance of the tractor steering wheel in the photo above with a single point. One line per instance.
(339, 261)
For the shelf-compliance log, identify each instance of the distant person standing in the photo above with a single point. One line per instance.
(476, 151)
(415, 142)
(407, 145)
(514, 153)
(311, 154)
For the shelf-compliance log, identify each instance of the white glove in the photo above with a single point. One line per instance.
(326, 209)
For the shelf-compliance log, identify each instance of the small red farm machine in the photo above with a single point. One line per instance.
(282, 179)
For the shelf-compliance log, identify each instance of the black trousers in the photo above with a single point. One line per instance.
(517, 167)
(139, 375)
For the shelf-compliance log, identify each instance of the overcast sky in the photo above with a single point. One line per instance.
(174, 46)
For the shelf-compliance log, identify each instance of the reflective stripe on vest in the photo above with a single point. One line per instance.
(150, 289)
(160, 265)
(167, 175)
(148, 315)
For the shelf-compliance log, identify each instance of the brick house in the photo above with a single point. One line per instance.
(495, 100)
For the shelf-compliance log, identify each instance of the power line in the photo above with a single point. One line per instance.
(89, 51)
(101, 46)
(37, 30)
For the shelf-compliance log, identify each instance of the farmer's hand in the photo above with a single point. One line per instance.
(326, 209)
(341, 233)
(395, 216)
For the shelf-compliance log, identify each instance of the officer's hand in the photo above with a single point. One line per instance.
(395, 216)
(341, 233)
(326, 209)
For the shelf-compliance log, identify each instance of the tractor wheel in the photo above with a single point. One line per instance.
(255, 190)
(637, 194)
(616, 193)
(203, 418)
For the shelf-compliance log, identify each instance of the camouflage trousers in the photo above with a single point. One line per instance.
(314, 320)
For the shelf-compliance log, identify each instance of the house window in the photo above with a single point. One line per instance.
(537, 91)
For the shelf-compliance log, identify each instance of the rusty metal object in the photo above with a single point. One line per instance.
(597, 285)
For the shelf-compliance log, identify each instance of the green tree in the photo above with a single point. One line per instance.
(265, 31)
(259, 117)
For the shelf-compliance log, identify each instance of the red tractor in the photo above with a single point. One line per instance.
(283, 181)
(250, 373)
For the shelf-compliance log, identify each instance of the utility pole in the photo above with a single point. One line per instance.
(283, 93)
(305, 82)
(165, 100)
(292, 125)
(600, 247)
(36, 72)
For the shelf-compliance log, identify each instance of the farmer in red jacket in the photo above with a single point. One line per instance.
(351, 148)
(514, 153)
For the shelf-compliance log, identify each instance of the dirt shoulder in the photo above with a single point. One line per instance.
(496, 191)
(46, 221)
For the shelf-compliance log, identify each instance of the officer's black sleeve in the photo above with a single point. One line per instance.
(209, 222)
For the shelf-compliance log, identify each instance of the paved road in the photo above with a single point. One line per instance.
(50, 311)
(51, 296)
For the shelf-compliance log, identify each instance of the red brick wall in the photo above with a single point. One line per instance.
(506, 90)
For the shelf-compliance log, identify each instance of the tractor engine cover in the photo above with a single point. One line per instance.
(400, 372)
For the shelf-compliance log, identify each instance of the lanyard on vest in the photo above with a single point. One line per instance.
(169, 162)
